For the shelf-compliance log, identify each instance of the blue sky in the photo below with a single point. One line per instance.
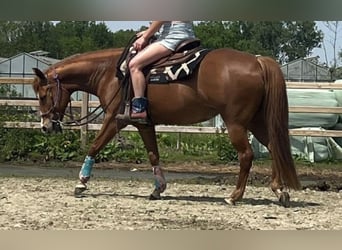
(328, 44)
(135, 25)
(124, 25)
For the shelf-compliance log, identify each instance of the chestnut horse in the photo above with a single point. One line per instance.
(248, 91)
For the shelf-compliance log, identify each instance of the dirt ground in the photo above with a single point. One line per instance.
(37, 198)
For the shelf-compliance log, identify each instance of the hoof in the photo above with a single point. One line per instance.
(79, 189)
(155, 195)
(229, 201)
(284, 199)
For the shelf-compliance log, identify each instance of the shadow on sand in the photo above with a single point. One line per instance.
(204, 199)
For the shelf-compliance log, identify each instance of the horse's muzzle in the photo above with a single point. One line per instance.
(52, 126)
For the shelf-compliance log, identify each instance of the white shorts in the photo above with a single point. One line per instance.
(174, 33)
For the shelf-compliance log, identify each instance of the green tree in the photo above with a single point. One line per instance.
(34, 35)
(9, 32)
(100, 35)
(60, 40)
(213, 34)
(81, 36)
(25, 36)
(122, 37)
(299, 39)
(283, 40)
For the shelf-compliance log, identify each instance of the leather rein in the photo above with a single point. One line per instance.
(73, 122)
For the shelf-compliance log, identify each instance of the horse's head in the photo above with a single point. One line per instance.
(53, 99)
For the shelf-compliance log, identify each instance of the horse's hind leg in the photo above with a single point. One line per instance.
(239, 139)
(277, 185)
(148, 136)
(259, 130)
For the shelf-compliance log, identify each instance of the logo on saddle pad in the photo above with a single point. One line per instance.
(175, 67)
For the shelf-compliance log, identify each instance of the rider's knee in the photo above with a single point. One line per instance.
(134, 68)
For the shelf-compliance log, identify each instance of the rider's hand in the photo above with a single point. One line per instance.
(139, 34)
(140, 43)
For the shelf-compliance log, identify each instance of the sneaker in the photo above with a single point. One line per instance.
(139, 117)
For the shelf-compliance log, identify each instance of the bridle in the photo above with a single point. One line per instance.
(55, 100)
(72, 122)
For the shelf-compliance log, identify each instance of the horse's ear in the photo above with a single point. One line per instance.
(40, 74)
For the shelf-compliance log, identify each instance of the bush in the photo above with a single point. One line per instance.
(31, 144)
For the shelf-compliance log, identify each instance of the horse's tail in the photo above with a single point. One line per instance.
(277, 119)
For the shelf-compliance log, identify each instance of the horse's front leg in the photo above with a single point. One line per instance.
(148, 136)
(107, 132)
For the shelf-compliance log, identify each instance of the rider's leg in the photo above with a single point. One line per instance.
(150, 54)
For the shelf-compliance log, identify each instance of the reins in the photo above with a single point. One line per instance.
(80, 121)
(77, 122)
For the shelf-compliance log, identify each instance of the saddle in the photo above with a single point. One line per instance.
(181, 52)
(162, 71)
(176, 66)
